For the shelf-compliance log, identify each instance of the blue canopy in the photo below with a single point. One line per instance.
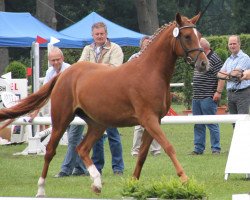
(21, 29)
(116, 33)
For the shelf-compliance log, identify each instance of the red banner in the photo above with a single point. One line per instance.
(40, 40)
(28, 71)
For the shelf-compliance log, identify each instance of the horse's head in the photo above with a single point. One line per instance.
(187, 42)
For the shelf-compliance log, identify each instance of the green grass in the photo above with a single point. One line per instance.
(19, 174)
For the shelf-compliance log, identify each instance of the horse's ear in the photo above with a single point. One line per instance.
(196, 18)
(178, 19)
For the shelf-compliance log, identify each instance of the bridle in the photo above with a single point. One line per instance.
(187, 58)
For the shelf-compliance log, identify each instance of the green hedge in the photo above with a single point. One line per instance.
(17, 69)
(220, 42)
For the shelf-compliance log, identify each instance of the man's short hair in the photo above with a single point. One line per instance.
(99, 25)
(238, 38)
(205, 43)
(56, 49)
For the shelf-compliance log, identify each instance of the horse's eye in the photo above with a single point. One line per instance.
(187, 37)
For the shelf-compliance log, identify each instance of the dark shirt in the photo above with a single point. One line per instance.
(205, 84)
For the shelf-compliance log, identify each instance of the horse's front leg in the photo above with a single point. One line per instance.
(143, 152)
(50, 152)
(83, 149)
(153, 127)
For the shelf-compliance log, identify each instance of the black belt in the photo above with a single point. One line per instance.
(237, 90)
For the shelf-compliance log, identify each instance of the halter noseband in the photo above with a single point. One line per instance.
(187, 58)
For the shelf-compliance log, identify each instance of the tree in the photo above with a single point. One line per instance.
(4, 53)
(147, 16)
(240, 15)
(45, 12)
(216, 17)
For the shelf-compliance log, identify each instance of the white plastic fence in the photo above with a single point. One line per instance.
(197, 119)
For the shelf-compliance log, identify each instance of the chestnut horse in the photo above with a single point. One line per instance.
(137, 92)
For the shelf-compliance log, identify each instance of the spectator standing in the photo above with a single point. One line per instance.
(57, 65)
(207, 91)
(238, 93)
(155, 148)
(56, 60)
(72, 163)
(106, 52)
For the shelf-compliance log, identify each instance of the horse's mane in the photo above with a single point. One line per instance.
(156, 33)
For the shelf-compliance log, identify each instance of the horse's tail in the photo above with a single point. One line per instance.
(33, 102)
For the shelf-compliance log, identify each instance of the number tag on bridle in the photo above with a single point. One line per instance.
(176, 32)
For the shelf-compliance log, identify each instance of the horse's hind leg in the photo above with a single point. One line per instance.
(58, 130)
(93, 134)
(143, 152)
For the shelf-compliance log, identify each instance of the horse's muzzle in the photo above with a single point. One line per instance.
(202, 65)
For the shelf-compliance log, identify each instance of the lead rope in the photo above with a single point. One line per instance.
(234, 78)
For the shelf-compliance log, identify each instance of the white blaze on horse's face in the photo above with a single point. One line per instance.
(196, 33)
(199, 63)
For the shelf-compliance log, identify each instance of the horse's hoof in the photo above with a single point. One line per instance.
(184, 178)
(96, 189)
